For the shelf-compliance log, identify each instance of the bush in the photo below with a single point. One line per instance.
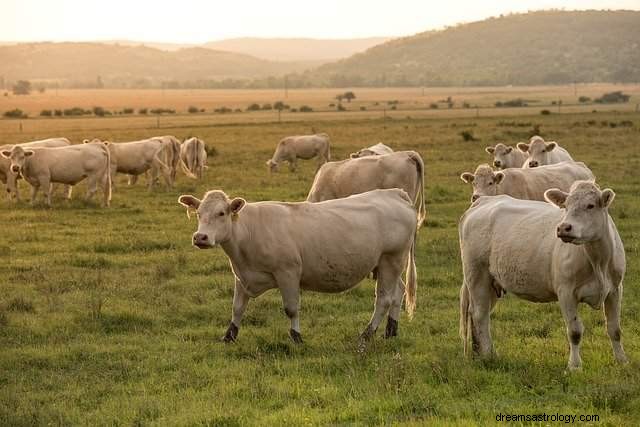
(584, 99)
(363, 108)
(433, 106)
(127, 111)
(253, 107)
(394, 107)
(76, 111)
(341, 108)
(46, 113)
(467, 135)
(143, 111)
(98, 111)
(267, 107)
(193, 109)
(305, 109)
(223, 110)
(513, 103)
(545, 112)
(294, 110)
(279, 105)
(466, 105)
(211, 151)
(162, 111)
(16, 114)
(332, 105)
(57, 113)
(613, 98)
(237, 110)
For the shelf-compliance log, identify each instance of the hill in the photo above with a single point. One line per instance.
(548, 47)
(296, 49)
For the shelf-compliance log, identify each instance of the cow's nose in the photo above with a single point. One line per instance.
(533, 164)
(474, 197)
(16, 169)
(496, 163)
(200, 238)
(564, 228)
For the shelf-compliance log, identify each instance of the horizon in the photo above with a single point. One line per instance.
(75, 20)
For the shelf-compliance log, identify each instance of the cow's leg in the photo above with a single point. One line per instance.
(389, 271)
(34, 193)
(240, 302)
(47, 189)
(68, 189)
(482, 298)
(569, 308)
(289, 284)
(132, 179)
(612, 305)
(394, 311)
(154, 175)
(293, 164)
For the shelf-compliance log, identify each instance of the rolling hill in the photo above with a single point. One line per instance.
(548, 47)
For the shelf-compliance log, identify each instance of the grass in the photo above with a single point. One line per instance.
(109, 316)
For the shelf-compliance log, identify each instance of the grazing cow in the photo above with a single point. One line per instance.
(5, 163)
(505, 157)
(402, 169)
(375, 150)
(324, 247)
(303, 147)
(542, 153)
(542, 254)
(41, 167)
(528, 184)
(194, 156)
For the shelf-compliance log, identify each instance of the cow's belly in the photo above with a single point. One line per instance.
(338, 273)
(133, 168)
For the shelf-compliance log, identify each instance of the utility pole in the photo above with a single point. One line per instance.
(286, 87)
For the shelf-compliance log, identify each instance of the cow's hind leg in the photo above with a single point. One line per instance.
(612, 314)
(289, 285)
(389, 271)
(482, 298)
(569, 308)
(394, 311)
(240, 302)
(92, 187)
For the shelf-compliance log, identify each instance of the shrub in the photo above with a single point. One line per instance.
(193, 109)
(57, 113)
(143, 111)
(267, 107)
(305, 109)
(211, 151)
(127, 111)
(237, 110)
(75, 111)
(394, 107)
(253, 107)
(46, 113)
(466, 105)
(545, 112)
(584, 99)
(98, 111)
(341, 108)
(294, 110)
(16, 114)
(332, 105)
(518, 102)
(613, 98)
(223, 110)
(363, 108)
(279, 105)
(433, 106)
(467, 135)
(163, 111)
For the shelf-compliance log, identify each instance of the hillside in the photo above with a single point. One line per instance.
(296, 49)
(547, 47)
(127, 66)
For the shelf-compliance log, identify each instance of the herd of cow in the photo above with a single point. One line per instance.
(538, 227)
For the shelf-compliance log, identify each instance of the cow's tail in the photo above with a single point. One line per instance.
(328, 146)
(465, 317)
(185, 169)
(108, 185)
(420, 202)
(411, 279)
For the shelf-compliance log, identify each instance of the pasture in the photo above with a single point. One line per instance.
(111, 317)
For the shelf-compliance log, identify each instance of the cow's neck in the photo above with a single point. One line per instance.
(599, 253)
(239, 236)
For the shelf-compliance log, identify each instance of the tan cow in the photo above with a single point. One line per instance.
(323, 247)
(540, 153)
(194, 156)
(375, 150)
(41, 167)
(5, 163)
(402, 169)
(540, 253)
(505, 157)
(528, 184)
(304, 147)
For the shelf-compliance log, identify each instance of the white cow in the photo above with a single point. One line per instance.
(194, 156)
(325, 247)
(41, 167)
(402, 169)
(567, 250)
(528, 184)
(542, 153)
(375, 150)
(304, 147)
(505, 157)
(5, 163)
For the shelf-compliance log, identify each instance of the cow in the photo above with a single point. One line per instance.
(402, 169)
(5, 163)
(304, 147)
(324, 247)
(375, 150)
(69, 165)
(567, 250)
(542, 153)
(505, 157)
(527, 184)
(194, 156)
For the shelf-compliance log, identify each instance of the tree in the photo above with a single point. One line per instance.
(23, 87)
(349, 96)
(340, 97)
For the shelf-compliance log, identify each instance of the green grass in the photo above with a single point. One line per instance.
(109, 316)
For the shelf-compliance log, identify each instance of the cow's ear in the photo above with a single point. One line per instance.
(508, 150)
(498, 177)
(189, 201)
(490, 150)
(550, 146)
(28, 153)
(523, 147)
(556, 197)
(6, 154)
(467, 177)
(354, 155)
(607, 197)
(236, 205)
(85, 141)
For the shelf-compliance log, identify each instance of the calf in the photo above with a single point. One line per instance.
(505, 157)
(540, 153)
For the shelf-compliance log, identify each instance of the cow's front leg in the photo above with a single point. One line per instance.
(289, 285)
(612, 314)
(34, 193)
(240, 302)
(569, 308)
(293, 164)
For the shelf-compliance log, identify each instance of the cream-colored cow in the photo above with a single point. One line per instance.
(540, 153)
(505, 157)
(194, 156)
(304, 147)
(375, 150)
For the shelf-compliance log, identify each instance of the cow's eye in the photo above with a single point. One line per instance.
(491, 183)
(221, 214)
(590, 206)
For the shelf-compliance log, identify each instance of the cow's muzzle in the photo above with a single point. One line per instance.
(533, 164)
(15, 169)
(497, 163)
(202, 241)
(475, 197)
(564, 233)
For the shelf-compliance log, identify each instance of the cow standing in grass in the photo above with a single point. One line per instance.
(304, 147)
(505, 157)
(540, 153)
(193, 155)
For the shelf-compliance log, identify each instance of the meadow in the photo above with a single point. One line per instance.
(111, 317)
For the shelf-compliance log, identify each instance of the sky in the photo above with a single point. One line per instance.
(199, 21)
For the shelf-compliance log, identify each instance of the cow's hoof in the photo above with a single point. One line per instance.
(231, 334)
(392, 328)
(295, 336)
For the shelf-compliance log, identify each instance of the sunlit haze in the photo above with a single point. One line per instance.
(197, 21)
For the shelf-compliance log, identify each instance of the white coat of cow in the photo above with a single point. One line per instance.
(5, 163)
(69, 165)
(567, 250)
(540, 153)
(193, 155)
(304, 147)
(323, 247)
(527, 184)
(375, 150)
(505, 157)
(401, 169)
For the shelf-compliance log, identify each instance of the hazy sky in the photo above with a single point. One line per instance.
(195, 21)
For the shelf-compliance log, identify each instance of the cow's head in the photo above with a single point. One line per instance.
(363, 153)
(273, 165)
(216, 213)
(500, 153)
(538, 151)
(484, 181)
(586, 211)
(18, 156)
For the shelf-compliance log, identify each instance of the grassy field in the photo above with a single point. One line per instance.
(110, 317)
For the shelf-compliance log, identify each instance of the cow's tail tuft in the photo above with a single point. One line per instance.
(411, 279)
(465, 317)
